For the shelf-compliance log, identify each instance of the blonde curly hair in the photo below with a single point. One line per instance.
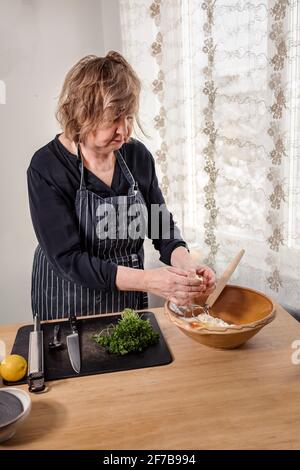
(97, 90)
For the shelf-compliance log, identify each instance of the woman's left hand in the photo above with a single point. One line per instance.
(208, 275)
(182, 259)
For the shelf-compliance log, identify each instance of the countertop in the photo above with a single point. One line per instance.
(247, 398)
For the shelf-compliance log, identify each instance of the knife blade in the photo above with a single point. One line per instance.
(73, 346)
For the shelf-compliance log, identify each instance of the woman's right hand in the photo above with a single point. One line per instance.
(174, 284)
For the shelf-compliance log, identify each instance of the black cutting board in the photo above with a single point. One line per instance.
(94, 358)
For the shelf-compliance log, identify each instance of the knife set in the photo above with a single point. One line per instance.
(36, 374)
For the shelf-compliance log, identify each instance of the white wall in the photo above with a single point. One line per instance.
(39, 41)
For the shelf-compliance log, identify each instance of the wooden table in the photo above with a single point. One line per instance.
(248, 398)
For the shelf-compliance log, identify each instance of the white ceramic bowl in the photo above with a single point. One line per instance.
(9, 429)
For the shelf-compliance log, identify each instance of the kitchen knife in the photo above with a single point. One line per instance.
(73, 346)
(35, 376)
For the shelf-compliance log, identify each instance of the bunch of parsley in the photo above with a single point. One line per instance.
(130, 334)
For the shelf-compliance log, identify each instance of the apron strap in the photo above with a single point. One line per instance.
(127, 173)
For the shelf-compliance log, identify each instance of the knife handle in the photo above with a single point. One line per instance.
(73, 323)
(35, 376)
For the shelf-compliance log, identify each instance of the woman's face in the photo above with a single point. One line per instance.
(111, 137)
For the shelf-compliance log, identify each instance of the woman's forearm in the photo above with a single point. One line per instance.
(181, 258)
(130, 279)
(169, 283)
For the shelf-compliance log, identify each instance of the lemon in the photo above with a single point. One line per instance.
(13, 368)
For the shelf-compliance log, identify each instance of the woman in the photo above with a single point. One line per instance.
(90, 192)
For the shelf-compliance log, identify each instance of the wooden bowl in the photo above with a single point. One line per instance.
(248, 311)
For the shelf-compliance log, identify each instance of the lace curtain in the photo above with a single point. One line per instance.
(220, 103)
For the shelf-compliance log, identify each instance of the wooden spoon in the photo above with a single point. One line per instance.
(224, 279)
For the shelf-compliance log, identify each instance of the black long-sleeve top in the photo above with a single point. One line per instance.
(53, 178)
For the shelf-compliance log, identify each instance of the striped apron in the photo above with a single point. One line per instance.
(105, 229)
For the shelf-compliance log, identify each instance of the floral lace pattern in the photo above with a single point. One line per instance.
(277, 86)
(210, 131)
(220, 102)
(158, 89)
